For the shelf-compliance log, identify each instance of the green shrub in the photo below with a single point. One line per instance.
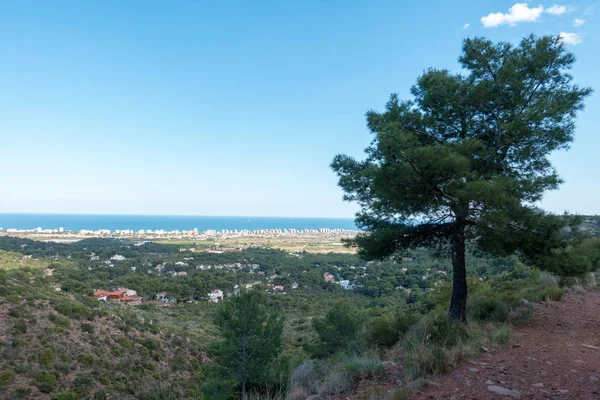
(488, 308)
(60, 320)
(82, 384)
(362, 367)
(62, 366)
(46, 356)
(13, 298)
(427, 343)
(218, 389)
(382, 333)
(20, 327)
(44, 381)
(337, 381)
(89, 328)
(126, 343)
(66, 395)
(85, 358)
(502, 335)
(338, 330)
(553, 293)
(445, 331)
(6, 377)
(72, 309)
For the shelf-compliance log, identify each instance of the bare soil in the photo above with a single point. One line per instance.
(556, 355)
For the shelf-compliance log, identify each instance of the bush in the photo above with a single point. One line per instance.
(553, 293)
(338, 330)
(44, 381)
(62, 366)
(82, 384)
(502, 335)
(46, 356)
(428, 342)
(219, 389)
(126, 343)
(444, 331)
(66, 395)
(337, 381)
(72, 309)
(60, 320)
(13, 298)
(487, 308)
(6, 377)
(20, 327)
(365, 368)
(305, 377)
(89, 328)
(85, 358)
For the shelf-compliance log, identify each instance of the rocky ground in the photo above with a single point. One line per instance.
(556, 355)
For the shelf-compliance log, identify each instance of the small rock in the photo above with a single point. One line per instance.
(540, 385)
(473, 370)
(490, 383)
(504, 391)
(593, 379)
(389, 364)
(485, 349)
(563, 391)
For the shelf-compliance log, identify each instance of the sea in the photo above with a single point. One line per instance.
(75, 222)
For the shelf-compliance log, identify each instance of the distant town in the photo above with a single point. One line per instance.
(211, 234)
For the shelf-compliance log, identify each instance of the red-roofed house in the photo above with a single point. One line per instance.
(116, 295)
(101, 294)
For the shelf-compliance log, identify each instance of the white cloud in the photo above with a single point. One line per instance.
(578, 22)
(465, 26)
(520, 12)
(570, 38)
(556, 9)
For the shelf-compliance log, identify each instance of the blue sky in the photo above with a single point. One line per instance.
(237, 107)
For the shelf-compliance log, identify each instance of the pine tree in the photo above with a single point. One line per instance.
(251, 338)
(467, 157)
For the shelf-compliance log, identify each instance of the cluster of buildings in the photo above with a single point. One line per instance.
(122, 295)
(194, 233)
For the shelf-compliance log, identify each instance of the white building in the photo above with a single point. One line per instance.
(215, 295)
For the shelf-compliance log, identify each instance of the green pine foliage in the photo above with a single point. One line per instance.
(468, 157)
(250, 335)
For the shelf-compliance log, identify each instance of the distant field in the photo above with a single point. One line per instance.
(316, 245)
(311, 245)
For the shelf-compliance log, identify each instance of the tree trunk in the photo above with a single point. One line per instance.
(458, 304)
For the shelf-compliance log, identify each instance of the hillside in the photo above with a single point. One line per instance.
(352, 328)
(53, 342)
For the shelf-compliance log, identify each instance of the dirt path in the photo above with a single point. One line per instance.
(556, 355)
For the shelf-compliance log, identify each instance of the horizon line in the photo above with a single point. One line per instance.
(172, 215)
